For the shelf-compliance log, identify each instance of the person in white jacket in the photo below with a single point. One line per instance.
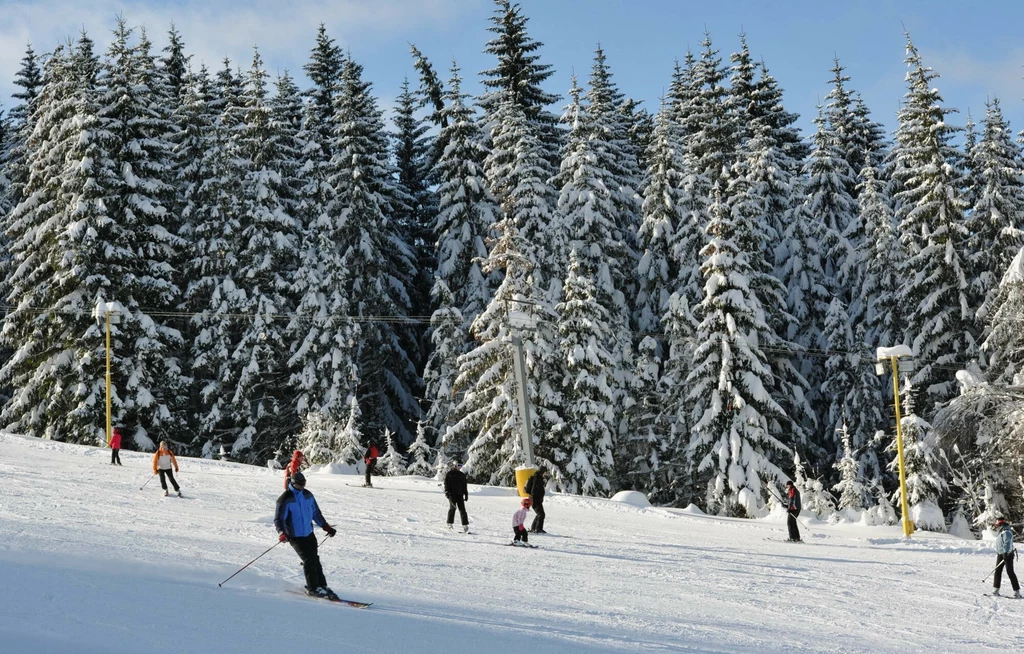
(1004, 557)
(518, 526)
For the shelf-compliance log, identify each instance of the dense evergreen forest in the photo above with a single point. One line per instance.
(705, 287)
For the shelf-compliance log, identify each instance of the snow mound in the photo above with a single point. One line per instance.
(335, 469)
(692, 509)
(633, 498)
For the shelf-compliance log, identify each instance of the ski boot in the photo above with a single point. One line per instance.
(465, 529)
(166, 493)
(179, 494)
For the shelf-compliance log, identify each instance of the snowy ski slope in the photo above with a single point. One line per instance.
(91, 564)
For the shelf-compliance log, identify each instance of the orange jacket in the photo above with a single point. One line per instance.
(164, 458)
(293, 467)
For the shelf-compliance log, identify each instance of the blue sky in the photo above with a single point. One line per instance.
(974, 47)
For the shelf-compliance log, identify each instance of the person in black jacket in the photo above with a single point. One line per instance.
(793, 509)
(457, 492)
(535, 489)
(370, 459)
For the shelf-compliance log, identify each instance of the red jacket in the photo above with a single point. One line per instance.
(293, 466)
(115, 440)
(370, 455)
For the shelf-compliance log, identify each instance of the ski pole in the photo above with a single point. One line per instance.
(249, 563)
(147, 482)
(1001, 562)
(781, 501)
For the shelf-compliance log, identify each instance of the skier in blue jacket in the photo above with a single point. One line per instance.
(296, 512)
(1004, 557)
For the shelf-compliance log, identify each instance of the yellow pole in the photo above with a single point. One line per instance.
(108, 378)
(908, 526)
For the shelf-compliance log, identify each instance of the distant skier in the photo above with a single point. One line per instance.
(793, 509)
(370, 459)
(296, 512)
(1004, 557)
(535, 489)
(293, 466)
(457, 492)
(115, 446)
(162, 462)
(518, 520)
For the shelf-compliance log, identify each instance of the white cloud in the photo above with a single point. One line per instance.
(213, 29)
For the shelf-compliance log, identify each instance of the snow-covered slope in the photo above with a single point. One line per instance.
(89, 563)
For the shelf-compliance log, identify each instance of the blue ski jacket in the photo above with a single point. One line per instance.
(296, 512)
(1004, 540)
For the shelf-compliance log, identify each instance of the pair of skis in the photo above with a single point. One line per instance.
(335, 600)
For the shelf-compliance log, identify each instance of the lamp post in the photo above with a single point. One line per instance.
(519, 320)
(893, 356)
(110, 314)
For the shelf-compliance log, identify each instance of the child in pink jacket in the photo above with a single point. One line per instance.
(115, 446)
(517, 523)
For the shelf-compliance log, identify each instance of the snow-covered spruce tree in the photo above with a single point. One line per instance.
(287, 114)
(589, 212)
(175, 65)
(755, 191)
(326, 61)
(1004, 339)
(608, 131)
(518, 174)
(879, 253)
(516, 79)
(730, 380)
(643, 450)
(587, 339)
(828, 200)
(415, 217)
(420, 454)
(487, 416)
(925, 483)
(996, 221)
(19, 128)
(317, 437)
(859, 140)
(664, 212)
(713, 140)
(392, 463)
(940, 323)
(378, 262)
(58, 235)
(257, 407)
(465, 215)
(853, 492)
(209, 186)
(840, 377)
(137, 110)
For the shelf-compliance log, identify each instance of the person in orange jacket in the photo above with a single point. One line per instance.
(115, 446)
(293, 466)
(162, 462)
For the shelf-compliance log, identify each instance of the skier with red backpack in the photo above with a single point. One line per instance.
(370, 459)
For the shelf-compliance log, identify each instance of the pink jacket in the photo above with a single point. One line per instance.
(520, 517)
(115, 440)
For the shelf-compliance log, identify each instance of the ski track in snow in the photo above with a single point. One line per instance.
(92, 564)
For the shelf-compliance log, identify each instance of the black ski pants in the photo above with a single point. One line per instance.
(369, 470)
(794, 531)
(306, 548)
(521, 534)
(459, 504)
(163, 482)
(1005, 561)
(538, 520)
(115, 455)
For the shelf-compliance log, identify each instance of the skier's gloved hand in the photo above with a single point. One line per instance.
(330, 531)
(282, 538)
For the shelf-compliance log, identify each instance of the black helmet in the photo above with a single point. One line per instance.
(298, 479)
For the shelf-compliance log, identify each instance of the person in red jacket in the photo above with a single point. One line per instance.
(115, 446)
(293, 466)
(370, 459)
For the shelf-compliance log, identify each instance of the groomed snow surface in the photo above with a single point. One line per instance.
(91, 564)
